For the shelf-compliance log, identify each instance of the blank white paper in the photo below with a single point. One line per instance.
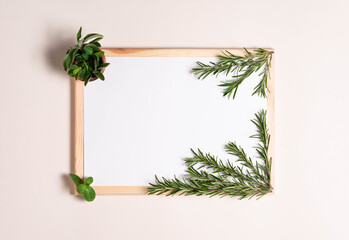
(147, 114)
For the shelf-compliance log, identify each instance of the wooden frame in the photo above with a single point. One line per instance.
(118, 52)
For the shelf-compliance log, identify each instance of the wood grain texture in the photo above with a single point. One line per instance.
(119, 52)
(79, 129)
(174, 52)
(128, 190)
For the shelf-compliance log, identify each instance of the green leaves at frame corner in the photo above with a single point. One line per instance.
(104, 65)
(89, 180)
(76, 179)
(240, 67)
(99, 74)
(209, 175)
(84, 59)
(84, 187)
(87, 191)
(89, 194)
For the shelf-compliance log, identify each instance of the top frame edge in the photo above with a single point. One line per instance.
(173, 52)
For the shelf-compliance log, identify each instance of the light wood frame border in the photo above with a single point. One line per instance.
(124, 52)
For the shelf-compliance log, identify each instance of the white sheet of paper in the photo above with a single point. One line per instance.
(148, 113)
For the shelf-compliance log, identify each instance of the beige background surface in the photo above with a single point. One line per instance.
(312, 57)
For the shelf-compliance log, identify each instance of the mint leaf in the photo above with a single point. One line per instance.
(76, 179)
(84, 187)
(89, 193)
(89, 180)
(81, 188)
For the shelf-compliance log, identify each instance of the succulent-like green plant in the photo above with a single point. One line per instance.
(84, 187)
(85, 60)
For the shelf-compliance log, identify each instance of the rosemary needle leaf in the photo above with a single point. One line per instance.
(239, 68)
(209, 175)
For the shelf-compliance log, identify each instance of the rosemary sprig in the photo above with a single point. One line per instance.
(241, 67)
(208, 175)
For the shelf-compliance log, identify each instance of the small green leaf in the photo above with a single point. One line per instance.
(72, 58)
(76, 71)
(79, 58)
(104, 65)
(99, 54)
(97, 44)
(99, 75)
(76, 179)
(70, 73)
(89, 180)
(96, 40)
(78, 36)
(64, 64)
(94, 48)
(81, 188)
(72, 67)
(80, 42)
(85, 65)
(87, 80)
(68, 59)
(91, 36)
(65, 61)
(82, 73)
(88, 50)
(89, 193)
(85, 56)
(96, 62)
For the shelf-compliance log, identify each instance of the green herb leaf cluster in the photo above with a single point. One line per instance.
(208, 175)
(84, 187)
(241, 67)
(85, 59)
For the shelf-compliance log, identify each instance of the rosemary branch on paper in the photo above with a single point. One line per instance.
(241, 67)
(208, 175)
